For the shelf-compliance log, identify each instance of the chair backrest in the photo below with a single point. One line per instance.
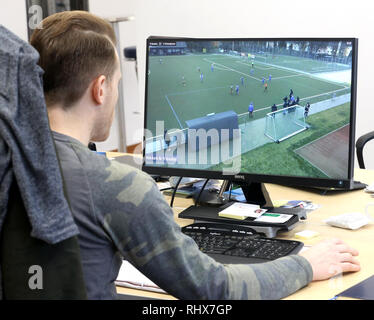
(32, 269)
(360, 144)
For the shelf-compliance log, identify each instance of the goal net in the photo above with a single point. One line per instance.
(285, 123)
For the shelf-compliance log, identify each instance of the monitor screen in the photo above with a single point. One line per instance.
(263, 110)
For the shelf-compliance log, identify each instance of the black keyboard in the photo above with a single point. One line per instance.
(236, 244)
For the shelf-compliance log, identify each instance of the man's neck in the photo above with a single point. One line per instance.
(70, 122)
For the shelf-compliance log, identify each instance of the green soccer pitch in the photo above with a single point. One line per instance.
(175, 101)
(177, 94)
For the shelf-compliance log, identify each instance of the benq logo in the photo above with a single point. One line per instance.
(240, 177)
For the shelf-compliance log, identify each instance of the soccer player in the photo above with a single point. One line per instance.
(183, 81)
(263, 81)
(198, 70)
(231, 89)
(201, 77)
(306, 110)
(291, 92)
(266, 87)
(273, 109)
(285, 105)
(292, 101)
(242, 81)
(269, 78)
(297, 100)
(237, 89)
(212, 67)
(250, 110)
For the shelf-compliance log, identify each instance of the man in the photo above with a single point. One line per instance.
(273, 109)
(237, 89)
(306, 110)
(118, 209)
(250, 110)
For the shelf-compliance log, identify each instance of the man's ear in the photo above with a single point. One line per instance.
(98, 89)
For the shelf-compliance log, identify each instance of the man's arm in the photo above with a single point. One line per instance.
(142, 226)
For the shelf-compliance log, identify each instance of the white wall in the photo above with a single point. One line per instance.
(13, 17)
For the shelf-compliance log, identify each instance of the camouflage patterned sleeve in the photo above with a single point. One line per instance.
(141, 224)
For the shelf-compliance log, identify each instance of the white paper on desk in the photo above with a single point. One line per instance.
(130, 277)
(163, 186)
(244, 210)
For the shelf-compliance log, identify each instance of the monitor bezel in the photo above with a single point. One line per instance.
(325, 183)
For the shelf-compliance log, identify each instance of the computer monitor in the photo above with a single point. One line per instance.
(252, 111)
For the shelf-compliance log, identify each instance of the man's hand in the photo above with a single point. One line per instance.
(331, 257)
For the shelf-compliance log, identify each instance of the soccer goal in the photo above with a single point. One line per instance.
(285, 123)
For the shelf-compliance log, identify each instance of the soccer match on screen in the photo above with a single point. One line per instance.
(279, 107)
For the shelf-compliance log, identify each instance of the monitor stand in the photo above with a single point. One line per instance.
(255, 193)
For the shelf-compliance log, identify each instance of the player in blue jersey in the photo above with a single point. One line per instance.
(250, 110)
(242, 81)
(201, 77)
(292, 101)
(237, 89)
(212, 67)
(269, 78)
(263, 81)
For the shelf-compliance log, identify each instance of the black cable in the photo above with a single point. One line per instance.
(200, 193)
(175, 191)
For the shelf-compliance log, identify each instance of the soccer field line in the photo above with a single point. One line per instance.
(291, 76)
(245, 74)
(172, 109)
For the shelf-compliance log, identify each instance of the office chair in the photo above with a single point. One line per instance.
(62, 275)
(360, 144)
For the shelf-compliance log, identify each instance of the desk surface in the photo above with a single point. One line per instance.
(333, 203)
